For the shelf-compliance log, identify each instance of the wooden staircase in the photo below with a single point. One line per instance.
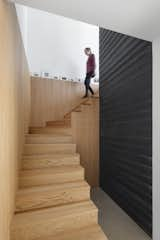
(53, 200)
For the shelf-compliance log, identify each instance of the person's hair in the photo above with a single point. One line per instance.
(88, 49)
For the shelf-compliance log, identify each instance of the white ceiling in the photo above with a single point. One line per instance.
(139, 18)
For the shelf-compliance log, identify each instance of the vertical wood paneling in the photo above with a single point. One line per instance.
(52, 99)
(85, 130)
(14, 111)
(126, 123)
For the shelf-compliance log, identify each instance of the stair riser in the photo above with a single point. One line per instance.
(67, 123)
(49, 149)
(46, 179)
(50, 198)
(51, 130)
(52, 226)
(48, 140)
(90, 233)
(56, 123)
(47, 163)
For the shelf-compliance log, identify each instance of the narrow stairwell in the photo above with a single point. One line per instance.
(53, 200)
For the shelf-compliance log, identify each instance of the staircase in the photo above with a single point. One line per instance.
(53, 200)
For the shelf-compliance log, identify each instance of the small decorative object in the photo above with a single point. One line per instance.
(35, 74)
(46, 74)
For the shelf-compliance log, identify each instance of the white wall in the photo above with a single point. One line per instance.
(156, 139)
(56, 44)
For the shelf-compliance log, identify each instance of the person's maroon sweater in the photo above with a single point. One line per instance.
(91, 65)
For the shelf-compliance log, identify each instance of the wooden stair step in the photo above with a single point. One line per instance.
(53, 221)
(38, 177)
(65, 123)
(87, 104)
(51, 130)
(55, 123)
(93, 232)
(48, 138)
(30, 149)
(47, 161)
(52, 195)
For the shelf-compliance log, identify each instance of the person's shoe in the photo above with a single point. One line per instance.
(85, 96)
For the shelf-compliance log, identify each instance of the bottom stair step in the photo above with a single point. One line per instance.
(53, 221)
(91, 233)
(53, 195)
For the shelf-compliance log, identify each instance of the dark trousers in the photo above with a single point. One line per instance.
(87, 83)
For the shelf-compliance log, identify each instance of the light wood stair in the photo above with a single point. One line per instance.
(47, 161)
(53, 199)
(39, 177)
(30, 149)
(42, 138)
(52, 221)
(67, 118)
(51, 130)
(93, 232)
(51, 195)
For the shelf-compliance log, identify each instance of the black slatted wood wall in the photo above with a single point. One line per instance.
(126, 124)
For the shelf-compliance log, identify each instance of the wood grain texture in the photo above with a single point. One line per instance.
(53, 221)
(52, 195)
(52, 99)
(47, 161)
(85, 130)
(14, 110)
(38, 177)
(41, 138)
(90, 233)
(34, 149)
(51, 130)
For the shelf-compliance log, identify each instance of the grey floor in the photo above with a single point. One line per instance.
(116, 224)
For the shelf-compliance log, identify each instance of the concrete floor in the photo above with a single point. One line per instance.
(116, 224)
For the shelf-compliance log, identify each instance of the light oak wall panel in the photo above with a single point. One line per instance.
(14, 110)
(85, 129)
(52, 99)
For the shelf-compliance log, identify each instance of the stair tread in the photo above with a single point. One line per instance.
(49, 144)
(60, 130)
(52, 175)
(39, 197)
(46, 135)
(50, 156)
(54, 170)
(47, 161)
(90, 233)
(54, 187)
(27, 218)
(48, 127)
(48, 148)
